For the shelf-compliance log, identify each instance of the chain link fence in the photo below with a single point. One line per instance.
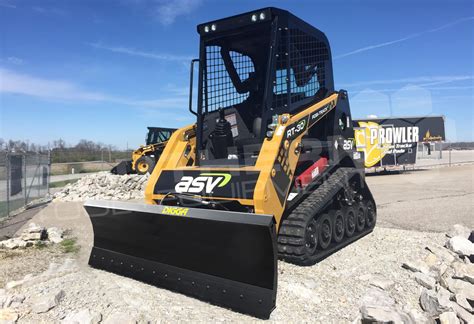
(24, 177)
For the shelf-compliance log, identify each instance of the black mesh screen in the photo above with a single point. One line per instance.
(307, 56)
(219, 91)
(280, 85)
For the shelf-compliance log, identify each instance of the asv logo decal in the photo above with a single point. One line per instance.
(204, 182)
(348, 144)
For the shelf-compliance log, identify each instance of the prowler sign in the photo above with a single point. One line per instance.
(393, 141)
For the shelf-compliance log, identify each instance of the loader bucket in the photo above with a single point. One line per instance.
(124, 167)
(225, 258)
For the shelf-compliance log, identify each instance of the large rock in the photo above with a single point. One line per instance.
(442, 253)
(457, 286)
(416, 266)
(449, 318)
(14, 301)
(383, 314)
(33, 228)
(33, 233)
(461, 246)
(8, 316)
(425, 280)
(463, 314)
(376, 297)
(120, 317)
(463, 271)
(376, 306)
(429, 303)
(444, 297)
(459, 230)
(13, 284)
(14, 243)
(44, 303)
(3, 297)
(84, 316)
(381, 282)
(55, 234)
(420, 317)
(465, 302)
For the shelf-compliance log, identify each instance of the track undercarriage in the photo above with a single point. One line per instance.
(337, 213)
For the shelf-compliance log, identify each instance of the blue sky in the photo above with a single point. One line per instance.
(104, 70)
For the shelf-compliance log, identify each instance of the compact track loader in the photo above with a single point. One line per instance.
(145, 157)
(269, 170)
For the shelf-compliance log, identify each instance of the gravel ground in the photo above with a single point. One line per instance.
(15, 264)
(414, 209)
(327, 292)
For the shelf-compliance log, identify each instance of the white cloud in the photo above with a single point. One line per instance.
(14, 60)
(412, 100)
(49, 11)
(370, 102)
(423, 80)
(168, 10)
(408, 37)
(7, 4)
(134, 52)
(15, 83)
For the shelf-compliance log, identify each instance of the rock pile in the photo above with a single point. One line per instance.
(34, 235)
(104, 185)
(446, 279)
(14, 304)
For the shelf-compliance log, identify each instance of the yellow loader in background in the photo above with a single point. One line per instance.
(146, 156)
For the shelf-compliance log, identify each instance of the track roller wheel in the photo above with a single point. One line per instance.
(338, 226)
(325, 231)
(351, 221)
(371, 215)
(325, 221)
(311, 237)
(360, 216)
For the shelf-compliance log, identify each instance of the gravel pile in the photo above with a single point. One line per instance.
(104, 185)
(446, 282)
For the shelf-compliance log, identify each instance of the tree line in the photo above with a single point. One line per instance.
(61, 152)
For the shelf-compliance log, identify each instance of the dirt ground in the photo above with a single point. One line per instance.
(414, 209)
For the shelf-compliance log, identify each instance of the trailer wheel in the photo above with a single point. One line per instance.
(338, 227)
(325, 231)
(350, 221)
(144, 165)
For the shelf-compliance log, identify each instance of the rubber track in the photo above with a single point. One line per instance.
(291, 238)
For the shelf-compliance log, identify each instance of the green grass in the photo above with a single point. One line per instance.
(69, 245)
(60, 184)
(41, 245)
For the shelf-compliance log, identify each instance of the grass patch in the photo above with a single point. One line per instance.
(69, 245)
(60, 184)
(41, 245)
